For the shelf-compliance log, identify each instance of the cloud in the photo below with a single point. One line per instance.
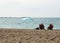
(32, 8)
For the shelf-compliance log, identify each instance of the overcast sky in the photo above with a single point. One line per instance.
(29, 8)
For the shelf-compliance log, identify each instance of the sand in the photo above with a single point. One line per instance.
(29, 36)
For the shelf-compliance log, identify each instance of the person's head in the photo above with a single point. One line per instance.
(41, 26)
(50, 27)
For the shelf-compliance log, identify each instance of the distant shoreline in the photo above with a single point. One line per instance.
(21, 29)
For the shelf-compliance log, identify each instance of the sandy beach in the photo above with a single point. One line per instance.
(29, 36)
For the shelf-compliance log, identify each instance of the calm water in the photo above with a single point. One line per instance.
(27, 22)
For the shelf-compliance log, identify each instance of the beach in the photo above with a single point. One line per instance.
(29, 36)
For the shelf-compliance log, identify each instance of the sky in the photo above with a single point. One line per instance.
(29, 8)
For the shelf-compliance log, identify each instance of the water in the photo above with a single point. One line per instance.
(27, 22)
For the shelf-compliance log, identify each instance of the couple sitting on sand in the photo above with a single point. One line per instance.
(42, 27)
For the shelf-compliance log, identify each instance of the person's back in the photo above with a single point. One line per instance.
(41, 26)
(50, 27)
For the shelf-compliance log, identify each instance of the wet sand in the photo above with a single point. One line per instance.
(29, 36)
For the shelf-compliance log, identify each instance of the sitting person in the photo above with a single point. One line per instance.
(41, 26)
(50, 27)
